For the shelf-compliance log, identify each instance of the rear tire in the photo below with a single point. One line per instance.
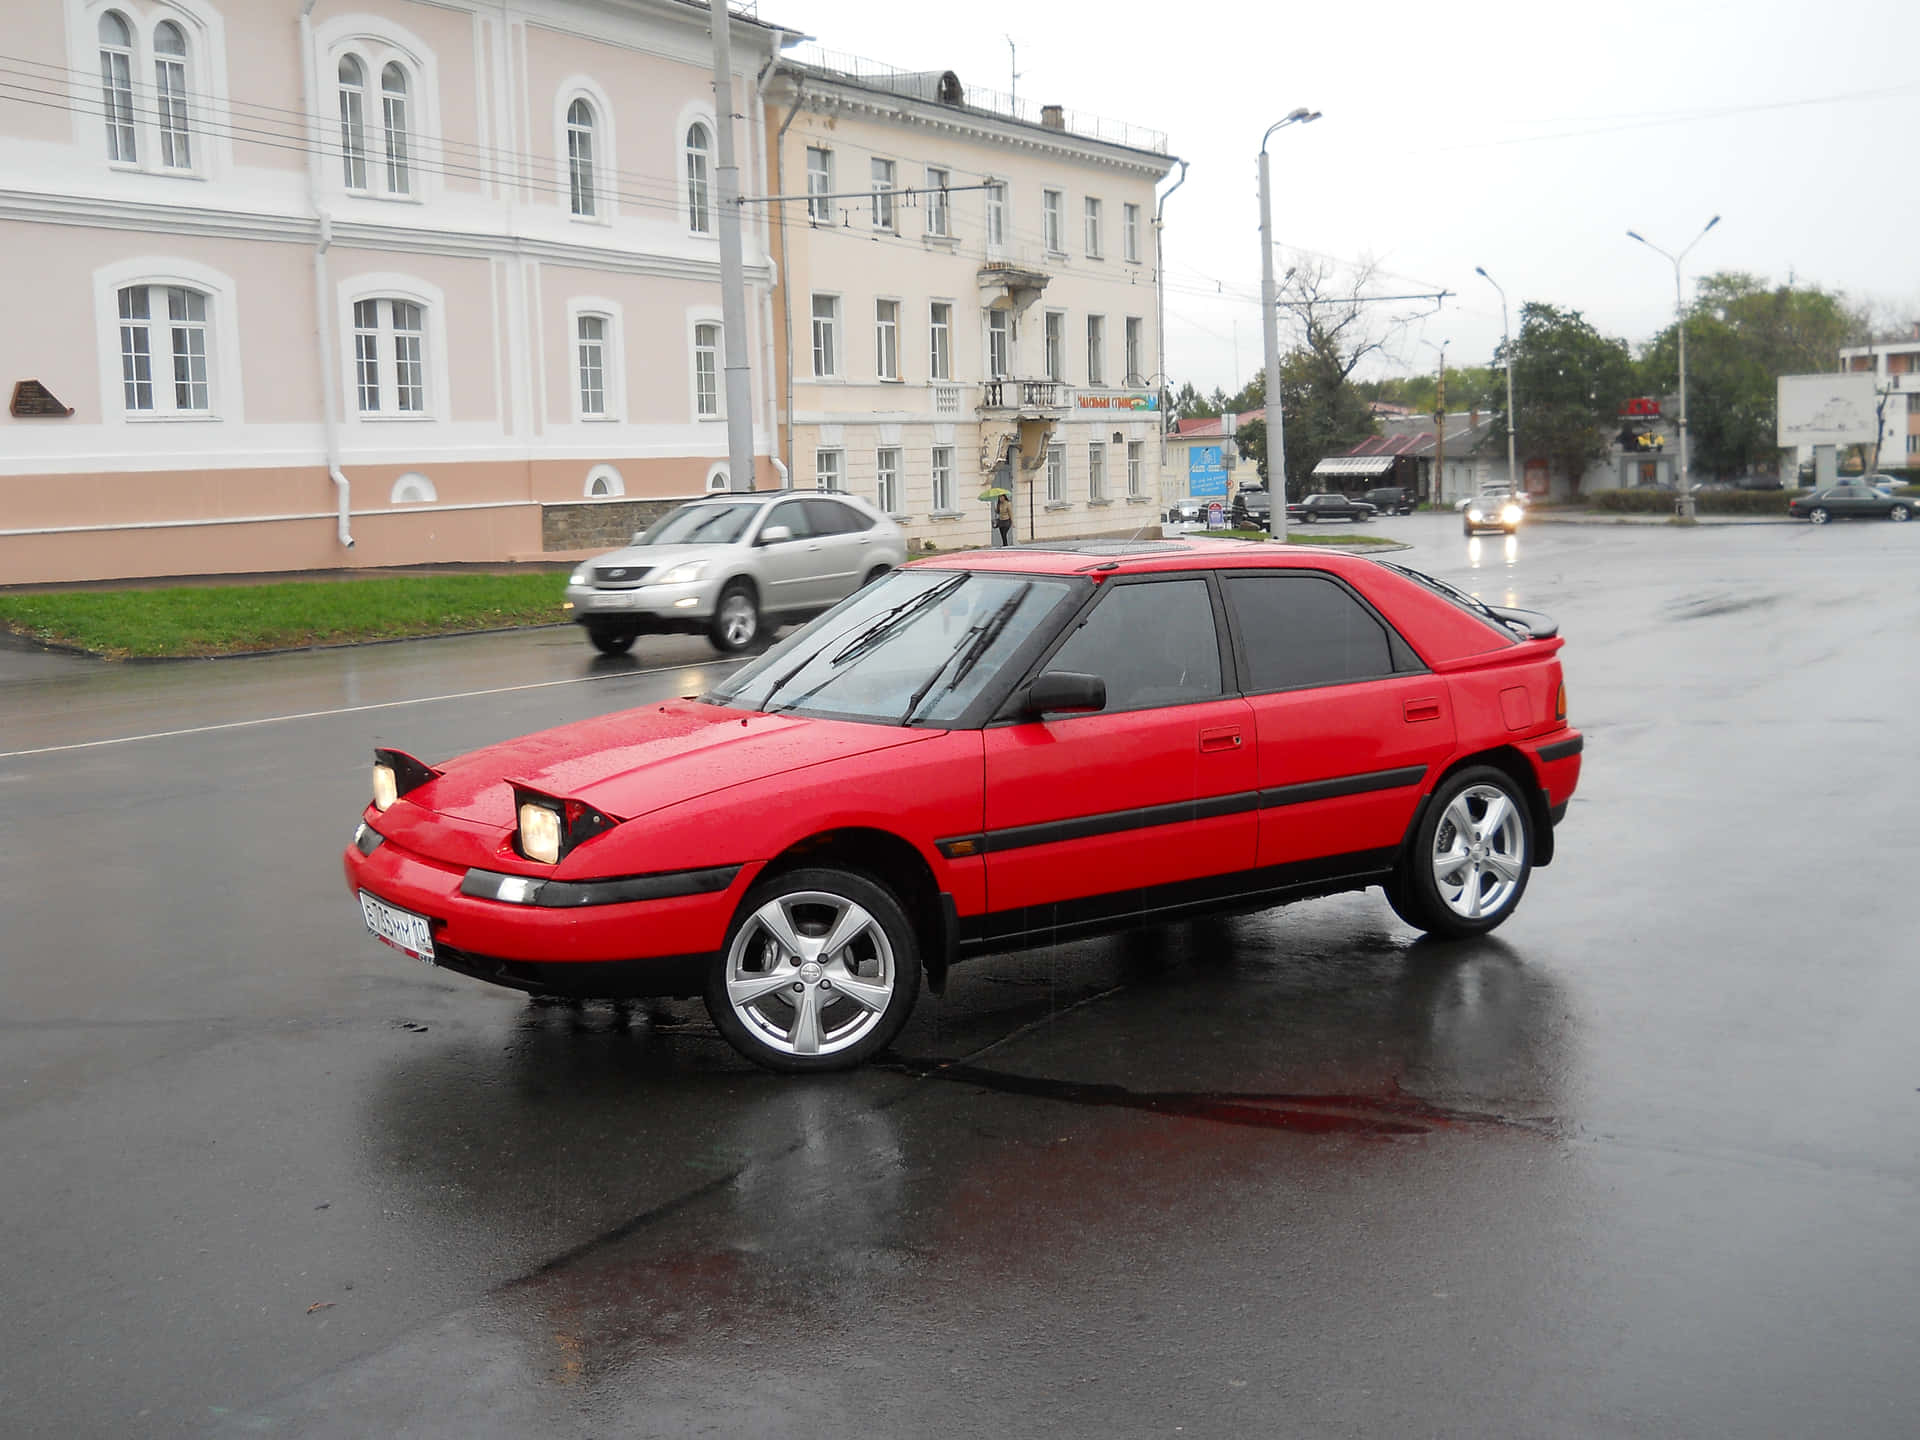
(1818, 515)
(612, 642)
(785, 1000)
(1470, 857)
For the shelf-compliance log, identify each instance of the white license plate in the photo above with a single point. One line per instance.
(401, 929)
(610, 602)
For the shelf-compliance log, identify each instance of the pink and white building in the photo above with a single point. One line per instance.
(362, 282)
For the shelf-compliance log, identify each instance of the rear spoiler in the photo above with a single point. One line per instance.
(1530, 623)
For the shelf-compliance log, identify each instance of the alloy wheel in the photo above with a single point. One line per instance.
(738, 619)
(810, 973)
(1817, 515)
(1479, 852)
(1899, 512)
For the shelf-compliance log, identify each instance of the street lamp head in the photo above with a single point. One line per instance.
(1636, 235)
(1299, 115)
(1481, 271)
(1711, 223)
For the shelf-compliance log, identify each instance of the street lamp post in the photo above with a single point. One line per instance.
(1270, 330)
(1506, 348)
(1685, 509)
(1436, 491)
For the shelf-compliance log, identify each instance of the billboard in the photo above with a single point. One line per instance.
(1206, 472)
(1835, 409)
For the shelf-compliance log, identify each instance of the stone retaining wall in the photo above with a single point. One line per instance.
(600, 524)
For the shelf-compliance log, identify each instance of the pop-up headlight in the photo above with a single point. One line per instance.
(395, 773)
(548, 827)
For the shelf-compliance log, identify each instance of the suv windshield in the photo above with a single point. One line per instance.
(916, 647)
(704, 524)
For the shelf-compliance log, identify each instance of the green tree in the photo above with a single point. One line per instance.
(1742, 335)
(1569, 381)
(1188, 403)
(1469, 387)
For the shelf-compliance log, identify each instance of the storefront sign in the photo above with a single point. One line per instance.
(1118, 402)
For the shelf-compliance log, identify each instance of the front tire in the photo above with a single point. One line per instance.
(819, 972)
(612, 642)
(1470, 857)
(1818, 515)
(736, 619)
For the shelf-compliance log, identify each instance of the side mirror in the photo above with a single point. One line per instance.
(774, 534)
(639, 538)
(1064, 692)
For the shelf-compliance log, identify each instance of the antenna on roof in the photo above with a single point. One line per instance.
(1013, 77)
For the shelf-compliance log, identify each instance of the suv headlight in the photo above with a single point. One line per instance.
(683, 574)
(578, 577)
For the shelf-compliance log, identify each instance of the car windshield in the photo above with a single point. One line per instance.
(916, 647)
(720, 523)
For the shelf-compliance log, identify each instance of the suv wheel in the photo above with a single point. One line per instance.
(819, 972)
(611, 642)
(736, 619)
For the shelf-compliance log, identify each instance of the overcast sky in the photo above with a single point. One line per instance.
(1525, 137)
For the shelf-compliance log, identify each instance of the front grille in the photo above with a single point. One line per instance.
(620, 574)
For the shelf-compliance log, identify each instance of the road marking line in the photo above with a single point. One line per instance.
(353, 710)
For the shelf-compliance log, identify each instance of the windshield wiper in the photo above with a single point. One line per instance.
(977, 641)
(889, 623)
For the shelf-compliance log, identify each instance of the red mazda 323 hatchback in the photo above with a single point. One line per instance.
(988, 751)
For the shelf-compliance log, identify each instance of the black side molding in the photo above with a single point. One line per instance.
(1564, 748)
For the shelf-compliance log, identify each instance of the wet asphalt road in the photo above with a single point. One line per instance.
(1644, 1162)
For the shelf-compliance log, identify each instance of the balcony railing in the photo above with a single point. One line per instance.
(1023, 395)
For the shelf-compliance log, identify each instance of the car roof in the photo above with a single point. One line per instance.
(1133, 557)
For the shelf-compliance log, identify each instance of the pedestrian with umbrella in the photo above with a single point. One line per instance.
(1002, 501)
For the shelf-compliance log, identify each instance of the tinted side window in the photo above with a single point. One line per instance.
(830, 517)
(1154, 643)
(1305, 630)
(790, 514)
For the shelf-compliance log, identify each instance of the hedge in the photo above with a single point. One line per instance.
(1706, 502)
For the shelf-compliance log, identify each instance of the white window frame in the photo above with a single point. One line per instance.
(1053, 219)
(435, 355)
(1056, 474)
(1096, 470)
(605, 191)
(830, 469)
(225, 401)
(1136, 466)
(202, 28)
(1133, 335)
(583, 176)
(819, 182)
(172, 103)
(119, 63)
(1096, 221)
(836, 360)
(999, 357)
(697, 323)
(1097, 351)
(1130, 233)
(601, 344)
(940, 340)
(1053, 345)
(886, 479)
(377, 42)
(613, 482)
(886, 339)
(939, 203)
(699, 157)
(942, 468)
(396, 134)
(999, 198)
(885, 177)
(613, 358)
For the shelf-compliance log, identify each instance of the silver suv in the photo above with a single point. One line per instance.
(733, 567)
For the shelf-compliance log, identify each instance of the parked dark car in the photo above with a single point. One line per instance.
(1252, 508)
(1390, 500)
(1850, 502)
(1330, 507)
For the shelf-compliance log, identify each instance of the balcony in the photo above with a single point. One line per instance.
(1023, 399)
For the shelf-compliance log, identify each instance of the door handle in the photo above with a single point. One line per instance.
(1223, 737)
(1414, 710)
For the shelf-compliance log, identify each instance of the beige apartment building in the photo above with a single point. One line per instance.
(362, 282)
(968, 298)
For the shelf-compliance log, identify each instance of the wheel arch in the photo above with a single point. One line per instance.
(899, 866)
(1519, 769)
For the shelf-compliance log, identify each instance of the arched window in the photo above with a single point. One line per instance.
(604, 483)
(412, 488)
(116, 87)
(717, 480)
(699, 200)
(170, 95)
(580, 157)
(179, 315)
(393, 107)
(353, 122)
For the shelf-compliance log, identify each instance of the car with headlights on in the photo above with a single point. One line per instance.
(733, 567)
(983, 752)
(1500, 511)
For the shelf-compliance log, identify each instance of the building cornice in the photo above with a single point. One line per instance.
(93, 212)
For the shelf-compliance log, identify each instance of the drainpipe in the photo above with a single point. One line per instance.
(757, 131)
(1160, 304)
(322, 291)
(786, 270)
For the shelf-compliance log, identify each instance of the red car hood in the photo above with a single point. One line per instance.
(637, 761)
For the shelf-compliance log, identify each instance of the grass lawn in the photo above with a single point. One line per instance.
(234, 619)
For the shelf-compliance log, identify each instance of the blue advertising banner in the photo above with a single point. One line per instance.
(1206, 475)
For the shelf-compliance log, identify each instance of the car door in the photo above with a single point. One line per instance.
(1135, 807)
(1347, 723)
(844, 536)
(789, 569)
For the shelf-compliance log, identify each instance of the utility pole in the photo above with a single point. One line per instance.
(1270, 331)
(733, 283)
(1437, 490)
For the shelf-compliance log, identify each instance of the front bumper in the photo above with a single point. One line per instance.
(624, 948)
(647, 607)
